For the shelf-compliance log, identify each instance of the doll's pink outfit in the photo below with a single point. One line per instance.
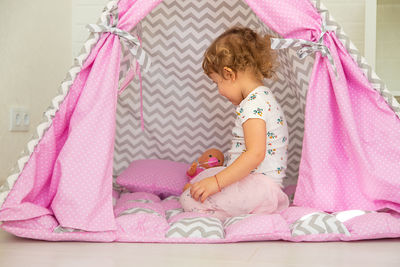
(212, 162)
(198, 170)
(255, 193)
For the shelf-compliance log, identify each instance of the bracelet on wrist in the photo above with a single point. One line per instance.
(219, 188)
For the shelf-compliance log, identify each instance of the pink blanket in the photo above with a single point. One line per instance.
(144, 217)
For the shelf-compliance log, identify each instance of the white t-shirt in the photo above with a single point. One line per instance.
(261, 103)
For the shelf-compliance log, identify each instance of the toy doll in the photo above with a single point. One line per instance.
(210, 158)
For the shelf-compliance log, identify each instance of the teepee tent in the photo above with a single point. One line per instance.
(137, 91)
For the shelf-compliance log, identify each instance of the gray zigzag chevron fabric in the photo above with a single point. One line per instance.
(183, 113)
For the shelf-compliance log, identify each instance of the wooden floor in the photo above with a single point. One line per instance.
(16, 251)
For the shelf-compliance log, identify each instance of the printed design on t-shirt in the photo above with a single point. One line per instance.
(280, 120)
(269, 106)
(258, 111)
(260, 104)
(239, 112)
(253, 96)
(279, 169)
(271, 135)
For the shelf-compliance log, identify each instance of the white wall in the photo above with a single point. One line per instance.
(35, 53)
(351, 16)
(388, 43)
(83, 12)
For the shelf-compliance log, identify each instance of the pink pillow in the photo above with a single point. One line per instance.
(161, 177)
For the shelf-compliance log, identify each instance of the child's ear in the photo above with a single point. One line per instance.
(228, 72)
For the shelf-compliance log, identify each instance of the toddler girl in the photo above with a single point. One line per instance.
(251, 182)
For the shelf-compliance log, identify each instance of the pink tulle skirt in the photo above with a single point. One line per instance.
(255, 193)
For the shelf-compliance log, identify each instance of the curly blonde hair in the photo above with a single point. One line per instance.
(240, 49)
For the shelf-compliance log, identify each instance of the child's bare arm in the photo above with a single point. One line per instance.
(255, 139)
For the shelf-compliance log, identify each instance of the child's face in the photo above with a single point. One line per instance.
(228, 88)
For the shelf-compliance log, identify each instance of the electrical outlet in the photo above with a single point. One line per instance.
(19, 120)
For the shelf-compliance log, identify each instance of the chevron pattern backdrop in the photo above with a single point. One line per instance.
(183, 112)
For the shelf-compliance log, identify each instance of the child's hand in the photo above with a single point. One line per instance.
(204, 188)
